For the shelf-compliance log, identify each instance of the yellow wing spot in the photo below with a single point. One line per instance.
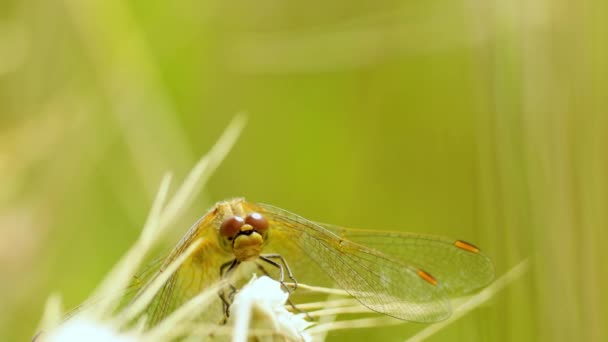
(427, 277)
(466, 246)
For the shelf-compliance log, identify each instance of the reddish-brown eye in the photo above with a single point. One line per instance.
(257, 221)
(231, 226)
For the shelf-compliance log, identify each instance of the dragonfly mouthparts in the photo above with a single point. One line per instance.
(246, 232)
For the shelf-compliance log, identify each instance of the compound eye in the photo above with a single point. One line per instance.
(257, 221)
(231, 226)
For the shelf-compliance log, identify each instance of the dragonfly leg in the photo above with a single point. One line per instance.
(227, 267)
(226, 305)
(277, 265)
(284, 262)
(225, 270)
(281, 272)
(295, 308)
(261, 268)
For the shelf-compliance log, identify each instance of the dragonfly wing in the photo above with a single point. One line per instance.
(460, 267)
(190, 279)
(198, 272)
(380, 282)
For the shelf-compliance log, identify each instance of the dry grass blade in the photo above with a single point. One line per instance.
(109, 292)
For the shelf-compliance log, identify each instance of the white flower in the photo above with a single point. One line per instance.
(81, 329)
(260, 306)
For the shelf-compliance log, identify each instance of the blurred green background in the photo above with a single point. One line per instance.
(479, 120)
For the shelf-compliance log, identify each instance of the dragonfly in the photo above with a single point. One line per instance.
(407, 276)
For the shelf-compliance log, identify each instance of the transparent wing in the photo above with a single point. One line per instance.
(198, 272)
(382, 283)
(126, 294)
(460, 267)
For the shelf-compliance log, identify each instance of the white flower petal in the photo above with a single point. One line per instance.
(82, 329)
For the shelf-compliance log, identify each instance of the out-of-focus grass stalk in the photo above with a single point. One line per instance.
(119, 277)
(351, 43)
(53, 311)
(133, 86)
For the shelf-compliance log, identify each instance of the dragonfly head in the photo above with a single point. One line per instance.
(244, 237)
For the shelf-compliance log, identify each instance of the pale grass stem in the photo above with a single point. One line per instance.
(462, 306)
(109, 293)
